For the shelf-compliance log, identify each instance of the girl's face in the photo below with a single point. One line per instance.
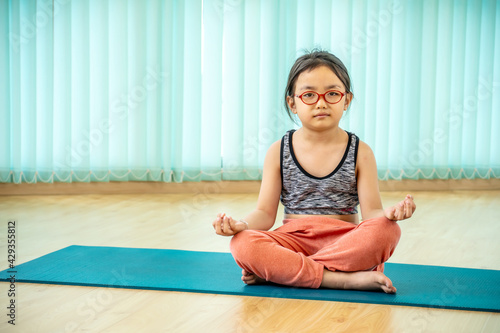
(320, 114)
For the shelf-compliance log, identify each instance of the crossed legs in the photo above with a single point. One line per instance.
(319, 251)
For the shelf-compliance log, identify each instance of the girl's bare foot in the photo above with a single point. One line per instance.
(364, 280)
(250, 278)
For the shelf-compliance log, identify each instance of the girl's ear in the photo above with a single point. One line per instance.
(291, 103)
(348, 100)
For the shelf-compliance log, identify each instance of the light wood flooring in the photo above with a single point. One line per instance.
(454, 228)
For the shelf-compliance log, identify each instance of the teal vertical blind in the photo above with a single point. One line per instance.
(100, 90)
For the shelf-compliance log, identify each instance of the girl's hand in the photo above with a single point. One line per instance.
(402, 210)
(227, 226)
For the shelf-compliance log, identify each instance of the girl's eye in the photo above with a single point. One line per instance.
(309, 95)
(333, 93)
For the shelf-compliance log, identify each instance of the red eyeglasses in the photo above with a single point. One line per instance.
(312, 97)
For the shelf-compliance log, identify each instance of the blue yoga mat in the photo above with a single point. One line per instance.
(217, 273)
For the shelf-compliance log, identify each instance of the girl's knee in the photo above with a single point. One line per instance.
(242, 242)
(237, 242)
(385, 231)
(381, 241)
(391, 228)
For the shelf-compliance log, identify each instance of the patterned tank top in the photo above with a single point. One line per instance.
(303, 193)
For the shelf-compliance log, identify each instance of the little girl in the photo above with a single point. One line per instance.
(321, 173)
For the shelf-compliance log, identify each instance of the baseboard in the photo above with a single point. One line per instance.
(131, 187)
(224, 187)
(440, 185)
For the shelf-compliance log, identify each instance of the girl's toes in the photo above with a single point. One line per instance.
(389, 290)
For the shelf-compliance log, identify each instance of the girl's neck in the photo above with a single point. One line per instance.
(334, 135)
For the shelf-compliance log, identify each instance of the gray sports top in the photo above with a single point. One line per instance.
(334, 194)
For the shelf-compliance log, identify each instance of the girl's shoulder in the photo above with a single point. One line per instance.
(364, 148)
(365, 157)
(272, 159)
(275, 145)
(273, 152)
(278, 144)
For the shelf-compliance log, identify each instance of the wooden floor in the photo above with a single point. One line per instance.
(458, 228)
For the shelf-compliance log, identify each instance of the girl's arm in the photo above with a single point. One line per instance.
(264, 216)
(368, 190)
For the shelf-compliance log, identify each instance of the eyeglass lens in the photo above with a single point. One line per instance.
(330, 96)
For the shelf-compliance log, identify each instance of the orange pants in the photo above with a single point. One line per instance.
(297, 253)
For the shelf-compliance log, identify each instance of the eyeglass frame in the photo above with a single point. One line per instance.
(320, 95)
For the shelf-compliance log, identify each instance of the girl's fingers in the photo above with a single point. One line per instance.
(390, 214)
(218, 226)
(412, 204)
(226, 226)
(405, 208)
(410, 208)
(232, 224)
(401, 211)
(223, 224)
(217, 223)
(394, 213)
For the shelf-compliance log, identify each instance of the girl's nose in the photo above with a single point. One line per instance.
(321, 103)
